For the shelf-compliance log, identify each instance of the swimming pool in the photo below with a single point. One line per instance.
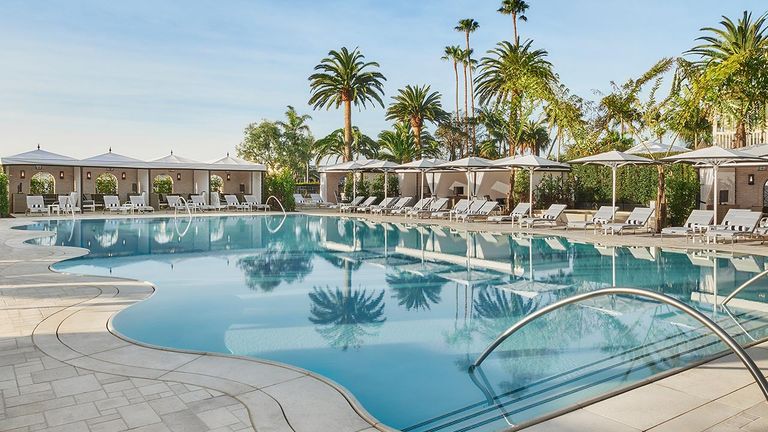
(397, 313)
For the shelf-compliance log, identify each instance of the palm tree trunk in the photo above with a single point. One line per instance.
(472, 99)
(661, 199)
(741, 134)
(347, 130)
(456, 72)
(466, 109)
(416, 128)
(514, 26)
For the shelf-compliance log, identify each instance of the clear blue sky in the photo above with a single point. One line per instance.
(149, 76)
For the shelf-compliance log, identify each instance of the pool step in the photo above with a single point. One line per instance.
(502, 409)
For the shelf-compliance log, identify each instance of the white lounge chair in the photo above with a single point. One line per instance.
(420, 205)
(112, 205)
(637, 219)
(550, 217)
(461, 206)
(68, 203)
(743, 224)
(301, 201)
(435, 206)
(199, 204)
(36, 204)
(474, 212)
(234, 203)
(319, 201)
(520, 210)
(365, 205)
(175, 203)
(216, 202)
(354, 203)
(697, 223)
(385, 203)
(254, 203)
(602, 216)
(399, 205)
(139, 204)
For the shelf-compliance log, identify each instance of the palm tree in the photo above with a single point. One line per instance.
(534, 137)
(399, 145)
(467, 26)
(454, 53)
(415, 104)
(343, 78)
(515, 8)
(297, 135)
(334, 145)
(733, 61)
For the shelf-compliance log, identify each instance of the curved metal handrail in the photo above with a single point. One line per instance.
(742, 286)
(278, 202)
(711, 325)
(176, 219)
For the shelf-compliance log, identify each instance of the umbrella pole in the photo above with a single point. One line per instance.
(354, 185)
(530, 193)
(613, 179)
(469, 191)
(715, 197)
(386, 185)
(421, 186)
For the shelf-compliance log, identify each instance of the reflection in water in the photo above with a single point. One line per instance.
(313, 293)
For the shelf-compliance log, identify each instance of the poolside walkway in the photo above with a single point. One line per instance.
(61, 369)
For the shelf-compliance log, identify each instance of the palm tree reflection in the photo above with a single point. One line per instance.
(415, 291)
(345, 317)
(273, 266)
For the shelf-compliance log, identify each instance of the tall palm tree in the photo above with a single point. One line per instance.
(295, 132)
(334, 145)
(534, 137)
(454, 54)
(733, 60)
(399, 145)
(515, 8)
(344, 78)
(415, 104)
(467, 26)
(465, 59)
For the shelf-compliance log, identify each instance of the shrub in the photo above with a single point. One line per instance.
(3, 195)
(162, 184)
(282, 185)
(377, 186)
(553, 190)
(682, 187)
(106, 184)
(364, 187)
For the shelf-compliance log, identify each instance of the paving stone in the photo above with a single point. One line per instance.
(217, 418)
(184, 421)
(109, 426)
(138, 415)
(167, 405)
(71, 414)
(76, 385)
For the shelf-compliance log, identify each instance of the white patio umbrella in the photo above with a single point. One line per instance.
(351, 166)
(469, 164)
(422, 165)
(383, 166)
(531, 163)
(713, 157)
(654, 147)
(614, 159)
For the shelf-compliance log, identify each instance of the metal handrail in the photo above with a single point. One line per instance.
(742, 286)
(711, 325)
(189, 217)
(278, 203)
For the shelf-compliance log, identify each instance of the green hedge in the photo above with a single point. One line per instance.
(4, 209)
(282, 185)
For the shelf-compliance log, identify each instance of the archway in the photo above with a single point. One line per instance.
(106, 184)
(217, 183)
(162, 184)
(42, 183)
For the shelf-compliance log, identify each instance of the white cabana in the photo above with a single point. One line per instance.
(469, 164)
(113, 160)
(422, 166)
(531, 163)
(713, 157)
(614, 159)
(231, 163)
(40, 157)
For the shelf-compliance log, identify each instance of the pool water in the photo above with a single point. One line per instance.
(396, 313)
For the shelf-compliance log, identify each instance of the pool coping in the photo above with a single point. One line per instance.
(72, 252)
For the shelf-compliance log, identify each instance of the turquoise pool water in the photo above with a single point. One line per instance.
(396, 313)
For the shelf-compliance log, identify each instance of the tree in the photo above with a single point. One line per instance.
(344, 78)
(297, 141)
(452, 136)
(333, 145)
(467, 26)
(515, 8)
(535, 137)
(733, 63)
(262, 143)
(415, 104)
(454, 53)
(399, 145)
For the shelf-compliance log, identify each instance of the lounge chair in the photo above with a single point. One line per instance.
(139, 204)
(436, 205)
(254, 203)
(385, 203)
(697, 223)
(175, 203)
(354, 203)
(420, 205)
(520, 210)
(234, 203)
(742, 224)
(199, 204)
(216, 202)
(365, 205)
(36, 204)
(474, 212)
(461, 207)
(68, 203)
(399, 205)
(112, 205)
(637, 219)
(363, 202)
(301, 201)
(319, 201)
(602, 216)
(550, 217)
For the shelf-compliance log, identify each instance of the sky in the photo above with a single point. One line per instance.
(149, 77)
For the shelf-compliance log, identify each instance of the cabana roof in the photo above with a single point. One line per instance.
(115, 160)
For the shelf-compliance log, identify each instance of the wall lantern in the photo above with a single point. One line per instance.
(751, 179)
(123, 176)
(88, 175)
(178, 176)
(61, 174)
(229, 176)
(23, 174)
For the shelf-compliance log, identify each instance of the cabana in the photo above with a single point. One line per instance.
(531, 163)
(63, 175)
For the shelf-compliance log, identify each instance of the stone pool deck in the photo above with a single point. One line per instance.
(61, 369)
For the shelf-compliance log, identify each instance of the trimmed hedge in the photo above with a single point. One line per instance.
(4, 208)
